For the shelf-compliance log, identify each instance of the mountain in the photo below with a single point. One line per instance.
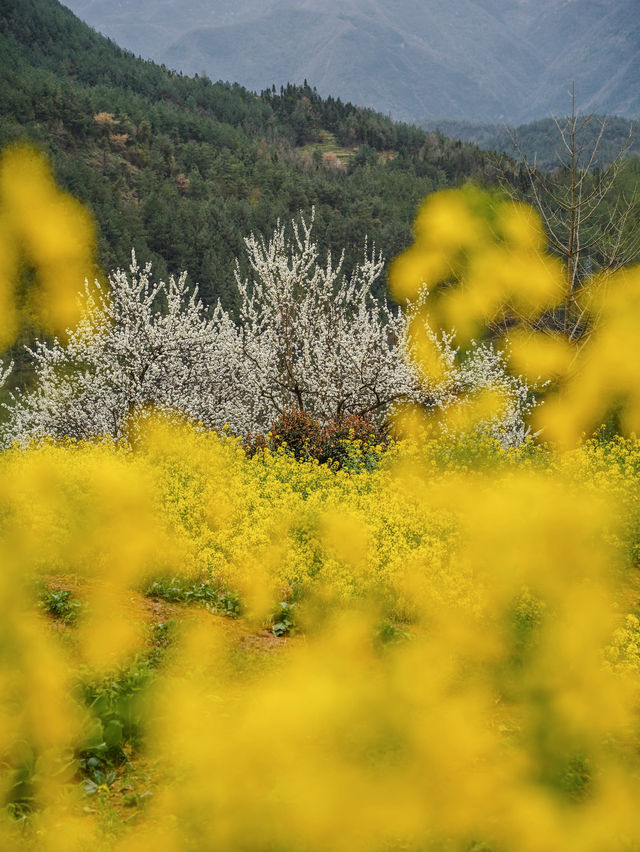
(479, 60)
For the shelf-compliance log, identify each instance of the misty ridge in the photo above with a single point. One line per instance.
(477, 60)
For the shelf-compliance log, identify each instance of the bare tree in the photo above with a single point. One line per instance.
(586, 217)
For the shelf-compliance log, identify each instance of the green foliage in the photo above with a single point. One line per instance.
(284, 619)
(181, 590)
(116, 702)
(226, 602)
(20, 796)
(60, 604)
(116, 705)
(390, 633)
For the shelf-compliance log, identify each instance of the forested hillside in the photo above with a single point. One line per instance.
(183, 169)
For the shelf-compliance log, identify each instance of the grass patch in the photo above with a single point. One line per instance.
(329, 145)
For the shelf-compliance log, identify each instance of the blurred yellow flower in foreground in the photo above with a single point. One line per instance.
(51, 232)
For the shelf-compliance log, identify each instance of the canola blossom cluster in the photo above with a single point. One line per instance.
(456, 663)
(469, 679)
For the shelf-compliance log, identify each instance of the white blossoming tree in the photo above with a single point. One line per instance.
(315, 340)
(309, 338)
(319, 342)
(139, 344)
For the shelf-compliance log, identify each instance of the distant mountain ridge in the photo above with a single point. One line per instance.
(479, 60)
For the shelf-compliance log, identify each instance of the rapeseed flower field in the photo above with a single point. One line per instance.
(434, 647)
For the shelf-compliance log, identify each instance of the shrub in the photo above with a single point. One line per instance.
(305, 437)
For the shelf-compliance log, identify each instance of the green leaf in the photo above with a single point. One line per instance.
(113, 733)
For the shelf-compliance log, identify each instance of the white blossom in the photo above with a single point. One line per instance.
(139, 344)
(315, 339)
(5, 372)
